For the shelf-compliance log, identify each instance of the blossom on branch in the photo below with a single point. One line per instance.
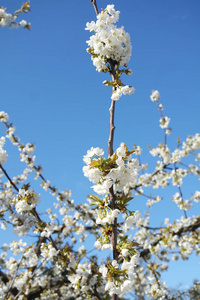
(110, 46)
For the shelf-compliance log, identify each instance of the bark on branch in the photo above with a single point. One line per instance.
(95, 6)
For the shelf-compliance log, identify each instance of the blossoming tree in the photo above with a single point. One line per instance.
(57, 264)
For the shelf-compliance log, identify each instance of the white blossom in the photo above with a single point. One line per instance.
(164, 122)
(155, 96)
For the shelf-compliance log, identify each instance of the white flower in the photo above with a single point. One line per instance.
(115, 264)
(126, 286)
(103, 188)
(107, 246)
(93, 174)
(111, 9)
(112, 42)
(121, 150)
(3, 156)
(155, 96)
(164, 122)
(196, 196)
(91, 26)
(197, 157)
(97, 245)
(127, 90)
(116, 95)
(132, 219)
(4, 117)
(3, 226)
(125, 252)
(23, 23)
(93, 152)
(138, 150)
(110, 287)
(29, 148)
(103, 270)
(2, 13)
(115, 213)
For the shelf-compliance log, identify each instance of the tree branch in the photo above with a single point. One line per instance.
(112, 112)
(4, 277)
(95, 6)
(190, 228)
(114, 226)
(34, 210)
(110, 153)
(9, 179)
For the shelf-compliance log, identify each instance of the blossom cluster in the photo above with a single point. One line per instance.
(7, 19)
(119, 171)
(26, 200)
(122, 90)
(108, 42)
(3, 153)
(58, 265)
(127, 268)
(110, 46)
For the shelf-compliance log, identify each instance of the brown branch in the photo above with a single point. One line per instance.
(95, 6)
(190, 228)
(153, 174)
(112, 129)
(110, 153)
(4, 277)
(162, 116)
(34, 210)
(114, 226)
(180, 192)
(36, 168)
(13, 279)
(112, 112)
(9, 179)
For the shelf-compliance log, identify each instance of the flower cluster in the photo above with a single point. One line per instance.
(126, 272)
(119, 171)
(122, 90)
(57, 265)
(108, 42)
(3, 153)
(26, 200)
(164, 121)
(119, 174)
(7, 19)
(110, 46)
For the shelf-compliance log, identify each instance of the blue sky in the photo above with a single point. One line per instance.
(56, 99)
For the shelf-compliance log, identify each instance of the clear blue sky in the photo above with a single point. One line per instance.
(56, 99)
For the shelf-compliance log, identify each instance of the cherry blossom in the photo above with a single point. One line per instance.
(106, 248)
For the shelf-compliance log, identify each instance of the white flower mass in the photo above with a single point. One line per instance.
(64, 259)
(108, 41)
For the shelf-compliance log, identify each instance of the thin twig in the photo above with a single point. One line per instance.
(95, 6)
(9, 179)
(190, 228)
(180, 192)
(112, 128)
(34, 210)
(112, 112)
(12, 282)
